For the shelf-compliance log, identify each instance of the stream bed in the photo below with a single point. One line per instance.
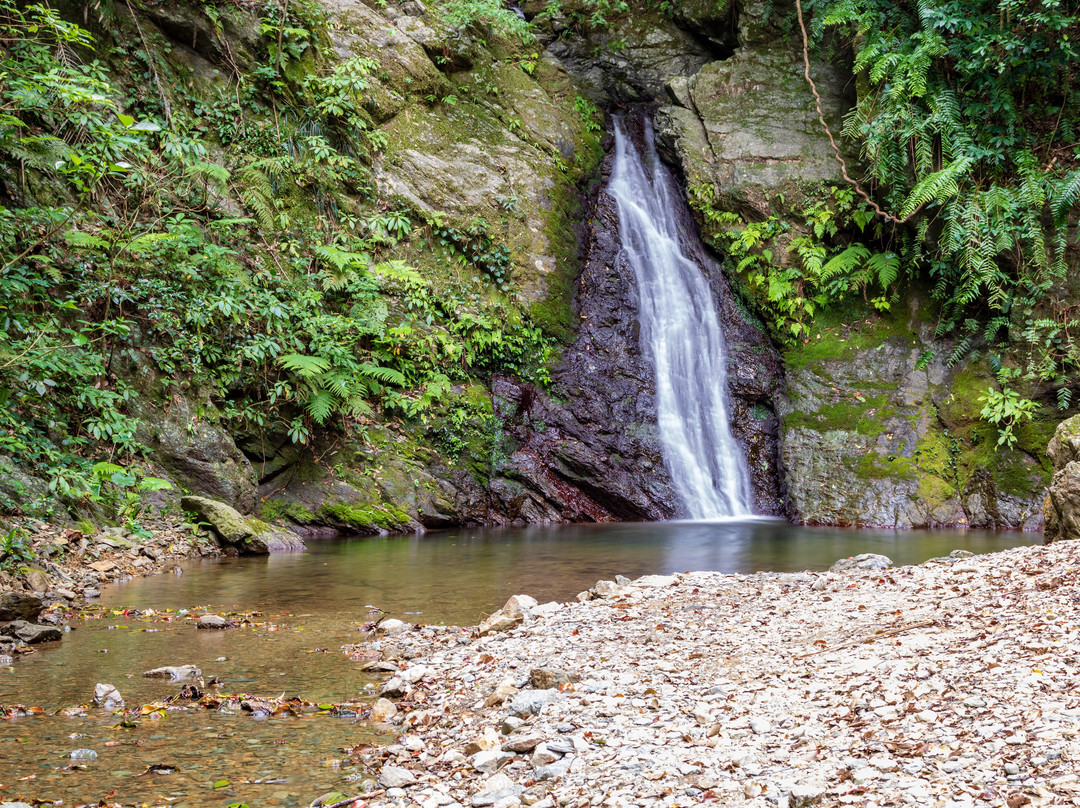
(302, 608)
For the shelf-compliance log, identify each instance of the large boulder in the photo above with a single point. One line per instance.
(247, 535)
(1061, 507)
(20, 606)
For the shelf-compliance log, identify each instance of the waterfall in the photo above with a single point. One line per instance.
(680, 331)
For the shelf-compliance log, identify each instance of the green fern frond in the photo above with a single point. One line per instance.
(320, 405)
(1066, 193)
(383, 374)
(939, 186)
(306, 367)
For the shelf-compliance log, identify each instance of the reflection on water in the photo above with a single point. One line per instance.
(312, 603)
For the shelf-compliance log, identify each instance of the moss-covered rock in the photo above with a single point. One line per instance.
(1062, 503)
(246, 535)
(879, 430)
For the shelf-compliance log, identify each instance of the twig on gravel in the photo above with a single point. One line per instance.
(876, 635)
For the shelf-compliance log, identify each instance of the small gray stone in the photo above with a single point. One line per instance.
(393, 688)
(803, 796)
(863, 561)
(561, 746)
(213, 621)
(490, 760)
(396, 777)
(532, 702)
(547, 678)
(521, 743)
(544, 756)
(552, 771)
(83, 754)
(497, 622)
(510, 723)
(760, 726)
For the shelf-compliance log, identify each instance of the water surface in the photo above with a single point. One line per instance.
(307, 605)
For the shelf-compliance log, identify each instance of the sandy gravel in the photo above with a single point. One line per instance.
(947, 684)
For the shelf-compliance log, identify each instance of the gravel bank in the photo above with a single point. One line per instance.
(946, 684)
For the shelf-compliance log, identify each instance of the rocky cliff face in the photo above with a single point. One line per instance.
(865, 424)
(587, 447)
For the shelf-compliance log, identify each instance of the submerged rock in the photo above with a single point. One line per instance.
(174, 672)
(213, 621)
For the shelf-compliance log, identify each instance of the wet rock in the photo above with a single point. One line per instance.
(31, 633)
(83, 754)
(393, 626)
(383, 711)
(20, 606)
(107, 697)
(863, 561)
(396, 777)
(248, 535)
(1061, 507)
(174, 672)
(212, 621)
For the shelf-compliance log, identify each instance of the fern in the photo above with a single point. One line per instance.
(1066, 194)
(305, 366)
(939, 186)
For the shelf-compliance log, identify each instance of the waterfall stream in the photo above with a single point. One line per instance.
(680, 331)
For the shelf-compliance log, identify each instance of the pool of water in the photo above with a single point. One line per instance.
(303, 608)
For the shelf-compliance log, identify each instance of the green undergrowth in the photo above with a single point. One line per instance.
(227, 232)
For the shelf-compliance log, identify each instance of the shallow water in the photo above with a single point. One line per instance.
(311, 604)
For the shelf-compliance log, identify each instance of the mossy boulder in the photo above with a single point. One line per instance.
(879, 430)
(1062, 504)
(248, 536)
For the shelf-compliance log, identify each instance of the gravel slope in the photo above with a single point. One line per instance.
(947, 684)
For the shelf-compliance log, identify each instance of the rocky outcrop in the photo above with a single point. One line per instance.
(1062, 504)
(246, 536)
(879, 430)
(748, 127)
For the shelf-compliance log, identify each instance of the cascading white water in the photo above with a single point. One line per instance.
(680, 330)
